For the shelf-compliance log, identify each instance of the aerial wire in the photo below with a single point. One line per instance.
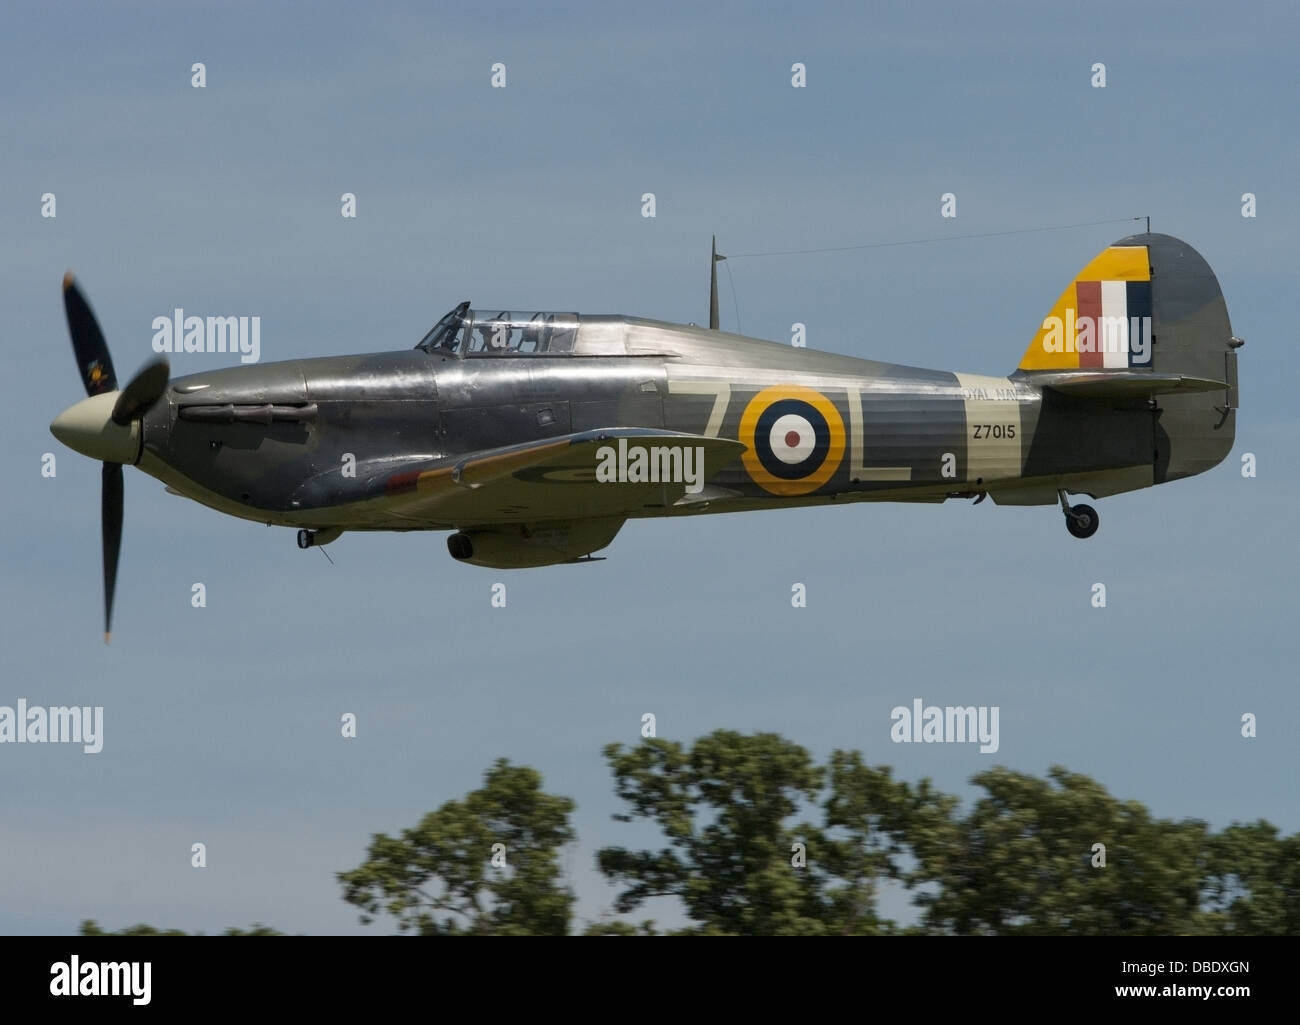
(734, 300)
(936, 238)
(912, 242)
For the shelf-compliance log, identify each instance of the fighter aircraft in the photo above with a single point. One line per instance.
(535, 436)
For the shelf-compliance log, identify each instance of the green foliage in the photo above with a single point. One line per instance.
(1254, 881)
(1022, 862)
(616, 928)
(760, 840)
(872, 823)
(725, 808)
(89, 927)
(438, 879)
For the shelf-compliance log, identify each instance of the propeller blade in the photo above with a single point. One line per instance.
(141, 392)
(93, 361)
(111, 509)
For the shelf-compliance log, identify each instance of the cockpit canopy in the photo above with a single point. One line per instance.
(466, 332)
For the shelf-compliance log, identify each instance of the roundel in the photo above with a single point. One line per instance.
(794, 439)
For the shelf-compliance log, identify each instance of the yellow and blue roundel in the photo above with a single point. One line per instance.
(793, 438)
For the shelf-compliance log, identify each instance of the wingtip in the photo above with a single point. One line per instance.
(67, 280)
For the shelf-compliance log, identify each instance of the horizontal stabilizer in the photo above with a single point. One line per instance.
(1119, 384)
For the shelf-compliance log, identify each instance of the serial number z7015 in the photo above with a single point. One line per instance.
(994, 430)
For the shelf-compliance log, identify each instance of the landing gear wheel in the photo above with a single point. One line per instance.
(1081, 521)
(306, 538)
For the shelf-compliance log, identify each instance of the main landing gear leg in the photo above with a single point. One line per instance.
(1080, 520)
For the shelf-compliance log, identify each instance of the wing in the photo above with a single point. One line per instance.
(593, 473)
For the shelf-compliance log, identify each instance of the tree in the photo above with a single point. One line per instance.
(1023, 861)
(440, 878)
(1031, 856)
(872, 822)
(1254, 884)
(723, 807)
(617, 928)
(735, 861)
(89, 927)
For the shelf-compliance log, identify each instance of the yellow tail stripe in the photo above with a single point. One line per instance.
(1118, 263)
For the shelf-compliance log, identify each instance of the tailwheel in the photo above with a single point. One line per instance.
(1081, 520)
(306, 538)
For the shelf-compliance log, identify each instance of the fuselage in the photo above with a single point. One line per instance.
(310, 443)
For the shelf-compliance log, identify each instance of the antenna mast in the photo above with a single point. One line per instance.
(713, 285)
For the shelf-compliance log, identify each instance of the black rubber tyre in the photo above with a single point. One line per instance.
(1082, 521)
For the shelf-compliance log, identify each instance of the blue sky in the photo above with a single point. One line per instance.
(221, 724)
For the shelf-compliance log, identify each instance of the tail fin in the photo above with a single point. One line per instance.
(1146, 318)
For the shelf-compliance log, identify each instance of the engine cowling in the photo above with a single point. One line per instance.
(522, 545)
